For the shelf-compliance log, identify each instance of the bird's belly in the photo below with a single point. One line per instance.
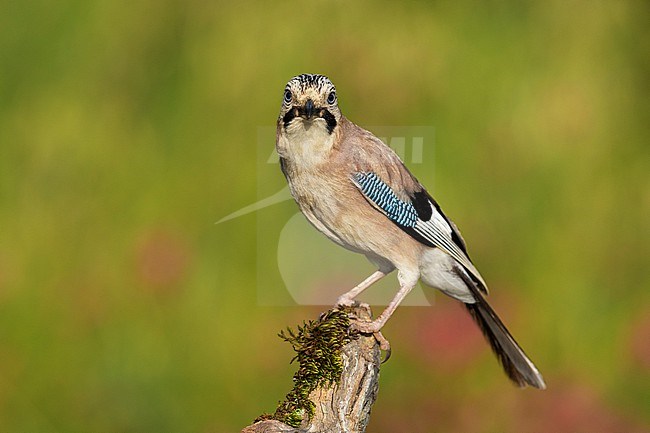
(319, 206)
(339, 211)
(322, 222)
(363, 230)
(333, 221)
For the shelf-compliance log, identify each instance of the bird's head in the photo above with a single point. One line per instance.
(310, 100)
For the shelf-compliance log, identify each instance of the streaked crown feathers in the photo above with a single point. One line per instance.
(317, 82)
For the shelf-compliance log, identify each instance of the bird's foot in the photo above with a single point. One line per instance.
(374, 329)
(345, 301)
(366, 327)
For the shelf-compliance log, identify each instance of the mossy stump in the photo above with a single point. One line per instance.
(337, 379)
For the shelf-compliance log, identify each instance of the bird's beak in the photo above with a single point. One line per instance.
(309, 108)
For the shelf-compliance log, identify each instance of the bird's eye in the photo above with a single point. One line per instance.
(287, 96)
(331, 98)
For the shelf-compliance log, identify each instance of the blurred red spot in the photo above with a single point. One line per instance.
(162, 260)
(447, 336)
(640, 342)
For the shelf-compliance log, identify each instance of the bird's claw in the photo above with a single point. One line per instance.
(383, 345)
(374, 329)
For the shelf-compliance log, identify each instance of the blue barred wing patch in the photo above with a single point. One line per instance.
(398, 211)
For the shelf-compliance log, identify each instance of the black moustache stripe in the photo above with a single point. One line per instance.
(330, 119)
(291, 114)
(299, 111)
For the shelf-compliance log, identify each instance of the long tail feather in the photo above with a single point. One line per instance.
(519, 368)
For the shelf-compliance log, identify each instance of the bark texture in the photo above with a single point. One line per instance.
(344, 406)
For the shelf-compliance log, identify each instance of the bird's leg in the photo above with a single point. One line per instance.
(375, 326)
(406, 285)
(347, 299)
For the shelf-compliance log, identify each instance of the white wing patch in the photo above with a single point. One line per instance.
(438, 232)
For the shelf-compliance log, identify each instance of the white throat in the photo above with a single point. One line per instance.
(307, 143)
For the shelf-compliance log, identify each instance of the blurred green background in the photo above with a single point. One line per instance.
(128, 128)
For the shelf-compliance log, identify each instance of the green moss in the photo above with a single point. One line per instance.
(318, 347)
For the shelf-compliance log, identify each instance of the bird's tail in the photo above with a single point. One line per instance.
(519, 368)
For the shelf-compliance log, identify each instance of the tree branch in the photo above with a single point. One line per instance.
(338, 376)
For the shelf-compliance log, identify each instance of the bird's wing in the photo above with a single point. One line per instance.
(414, 211)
